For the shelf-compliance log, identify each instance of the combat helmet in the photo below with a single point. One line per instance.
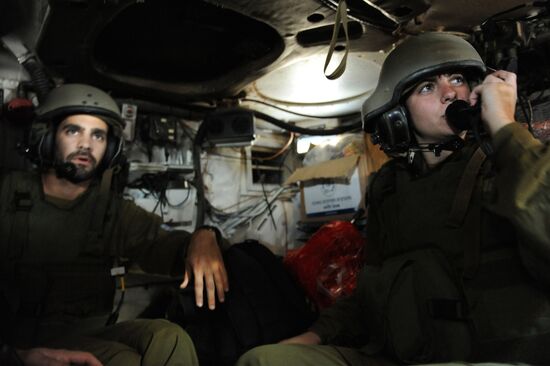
(70, 99)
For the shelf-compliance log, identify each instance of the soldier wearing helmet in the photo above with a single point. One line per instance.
(68, 103)
(64, 231)
(459, 242)
(385, 113)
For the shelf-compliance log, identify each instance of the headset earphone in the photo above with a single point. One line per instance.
(392, 131)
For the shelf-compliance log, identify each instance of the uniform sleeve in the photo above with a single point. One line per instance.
(140, 237)
(523, 193)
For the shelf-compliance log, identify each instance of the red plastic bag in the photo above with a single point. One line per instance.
(328, 264)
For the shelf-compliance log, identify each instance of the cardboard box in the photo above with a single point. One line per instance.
(333, 190)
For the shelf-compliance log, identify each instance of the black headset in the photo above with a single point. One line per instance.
(392, 131)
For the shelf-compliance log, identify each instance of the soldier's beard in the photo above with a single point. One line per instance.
(75, 173)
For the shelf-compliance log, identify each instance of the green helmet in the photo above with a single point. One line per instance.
(69, 99)
(413, 60)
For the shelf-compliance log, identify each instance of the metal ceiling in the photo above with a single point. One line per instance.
(205, 50)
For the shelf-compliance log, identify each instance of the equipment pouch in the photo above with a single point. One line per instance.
(415, 308)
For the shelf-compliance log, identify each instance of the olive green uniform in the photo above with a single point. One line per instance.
(56, 262)
(507, 223)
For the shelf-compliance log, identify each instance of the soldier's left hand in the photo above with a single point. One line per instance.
(205, 261)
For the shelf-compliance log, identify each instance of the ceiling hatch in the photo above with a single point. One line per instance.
(189, 48)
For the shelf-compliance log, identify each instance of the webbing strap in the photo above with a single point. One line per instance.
(466, 188)
(472, 240)
(341, 17)
(95, 234)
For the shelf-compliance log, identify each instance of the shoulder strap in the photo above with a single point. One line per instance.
(466, 188)
(95, 232)
(461, 202)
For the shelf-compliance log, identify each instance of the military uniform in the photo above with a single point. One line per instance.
(497, 254)
(56, 262)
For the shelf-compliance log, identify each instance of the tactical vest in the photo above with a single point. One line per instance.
(56, 263)
(450, 287)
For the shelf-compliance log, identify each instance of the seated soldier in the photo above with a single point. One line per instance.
(462, 232)
(63, 232)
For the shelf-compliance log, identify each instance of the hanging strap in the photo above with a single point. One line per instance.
(99, 219)
(341, 17)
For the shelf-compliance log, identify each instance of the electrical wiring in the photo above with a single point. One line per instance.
(281, 151)
(159, 205)
(180, 204)
(267, 202)
(230, 221)
(190, 112)
(252, 202)
(297, 113)
(494, 16)
(223, 210)
(528, 116)
(356, 125)
(200, 136)
(156, 185)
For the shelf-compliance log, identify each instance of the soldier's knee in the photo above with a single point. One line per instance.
(166, 331)
(153, 328)
(168, 344)
(260, 356)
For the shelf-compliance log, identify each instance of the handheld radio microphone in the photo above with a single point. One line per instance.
(462, 116)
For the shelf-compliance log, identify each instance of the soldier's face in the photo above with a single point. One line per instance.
(82, 140)
(429, 100)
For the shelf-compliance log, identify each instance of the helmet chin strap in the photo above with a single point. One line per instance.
(68, 171)
(453, 144)
(65, 170)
